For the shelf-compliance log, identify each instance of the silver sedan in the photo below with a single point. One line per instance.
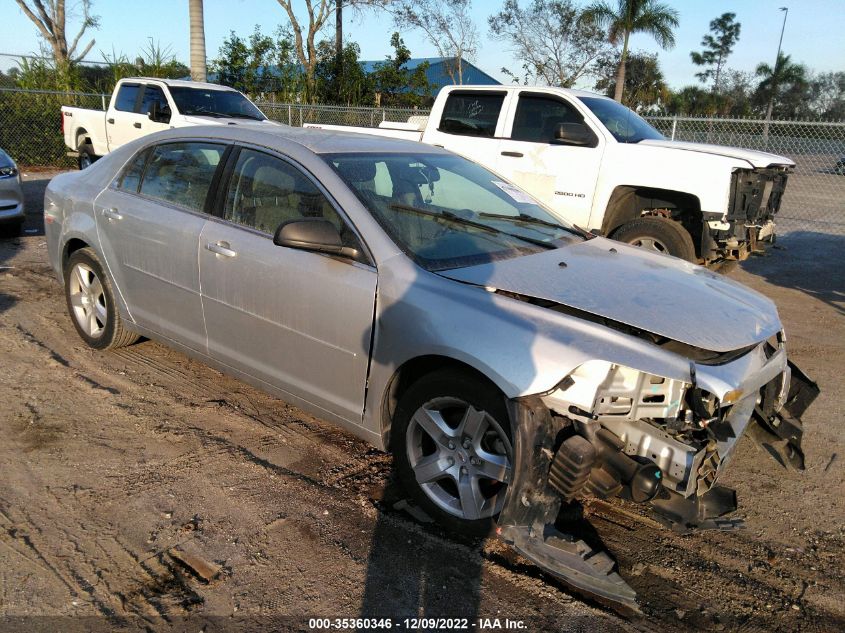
(11, 194)
(512, 364)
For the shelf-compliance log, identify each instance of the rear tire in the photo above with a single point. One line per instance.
(451, 441)
(91, 303)
(86, 156)
(658, 234)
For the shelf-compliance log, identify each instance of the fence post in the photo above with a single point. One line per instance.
(103, 101)
(674, 125)
(383, 115)
(290, 120)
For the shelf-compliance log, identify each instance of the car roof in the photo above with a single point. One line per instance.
(536, 89)
(318, 141)
(181, 83)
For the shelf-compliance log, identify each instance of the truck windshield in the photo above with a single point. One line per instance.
(447, 212)
(625, 124)
(220, 103)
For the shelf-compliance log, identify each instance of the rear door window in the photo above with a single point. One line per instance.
(181, 173)
(127, 96)
(131, 177)
(472, 113)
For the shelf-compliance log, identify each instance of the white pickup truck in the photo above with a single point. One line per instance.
(141, 106)
(597, 164)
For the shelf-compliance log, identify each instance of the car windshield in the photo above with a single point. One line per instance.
(625, 124)
(447, 212)
(220, 103)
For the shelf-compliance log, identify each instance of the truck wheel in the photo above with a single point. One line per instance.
(86, 156)
(451, 442)
(658, 234)
(91, 304)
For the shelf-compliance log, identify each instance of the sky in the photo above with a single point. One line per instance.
(813, 35)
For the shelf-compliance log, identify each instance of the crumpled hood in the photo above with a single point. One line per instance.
(755, 158)
(648, 291)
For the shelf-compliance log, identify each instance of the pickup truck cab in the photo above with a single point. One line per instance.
(141, 106)
(598, 165)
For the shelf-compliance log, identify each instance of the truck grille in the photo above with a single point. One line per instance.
(756, 195)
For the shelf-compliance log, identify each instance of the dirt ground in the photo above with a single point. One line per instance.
(117, 467)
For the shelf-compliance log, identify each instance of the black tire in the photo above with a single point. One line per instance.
(86, 156)
(113, 333)
(666, 236)
(442, 386)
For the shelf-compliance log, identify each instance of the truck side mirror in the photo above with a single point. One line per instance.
(158, 113)
(574, 134)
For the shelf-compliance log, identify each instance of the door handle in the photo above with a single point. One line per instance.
(512, 154)
(112, 214)
(220, 248)
(111, 121)
(137, 125)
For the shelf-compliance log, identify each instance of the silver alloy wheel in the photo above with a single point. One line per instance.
(88, 300)
(650, 244)
(461, 457)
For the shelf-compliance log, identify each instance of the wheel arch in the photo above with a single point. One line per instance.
(413, 370)
(629, 202)
(70, 247)
(81, 131)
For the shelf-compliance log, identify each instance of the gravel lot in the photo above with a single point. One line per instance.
(124, 471)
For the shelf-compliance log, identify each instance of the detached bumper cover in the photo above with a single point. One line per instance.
(779, 430)
(527, 520)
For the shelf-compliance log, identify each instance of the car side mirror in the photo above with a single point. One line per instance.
(309, 234)
(159, 114)
(574, 134)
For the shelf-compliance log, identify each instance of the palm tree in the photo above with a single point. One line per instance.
(785, 73)
(198, 69)
(633, 16)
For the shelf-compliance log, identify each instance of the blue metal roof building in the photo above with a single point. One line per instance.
(437, 73)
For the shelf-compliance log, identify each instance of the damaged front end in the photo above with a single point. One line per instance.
(755, 198)
(609, 430)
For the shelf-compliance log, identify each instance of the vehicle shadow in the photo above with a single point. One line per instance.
(33, 193)
(10, 235)
(8, 246)
(410, 574)
(813, 263)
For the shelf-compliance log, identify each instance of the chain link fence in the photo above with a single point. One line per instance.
(30, 131)
(31, 124)
(298, 114)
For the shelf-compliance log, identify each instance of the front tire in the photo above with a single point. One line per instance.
(451, 441)
(91, 303)
(658, 234)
